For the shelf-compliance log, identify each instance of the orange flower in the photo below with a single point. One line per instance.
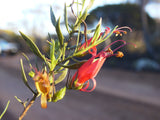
(43, 86)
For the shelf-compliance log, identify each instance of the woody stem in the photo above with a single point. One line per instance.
(27, 107)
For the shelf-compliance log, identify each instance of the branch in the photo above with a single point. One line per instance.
(27, 107)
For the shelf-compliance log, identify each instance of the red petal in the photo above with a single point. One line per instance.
(94, 86)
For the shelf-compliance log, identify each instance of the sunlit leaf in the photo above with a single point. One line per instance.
(31, 74)
(24, 77)
(52, 55)
(62, 76)
(81, 18)
(19, 100)
(108, 36)
(59, 94)
(66, 18)
(97, 31)
(59, 33)
(90, 4)
(4, 111)
(75, 65)
(27, 59)
(33, 46)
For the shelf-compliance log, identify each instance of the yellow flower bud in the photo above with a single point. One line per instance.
(43, 86)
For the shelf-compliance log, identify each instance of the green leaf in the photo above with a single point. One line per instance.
(19, 100)
(33, 46)
(95, 38)
(57, 46)
(83, 3)
(83, 16)
(59, 33)
(75, 65)
(27, 59)
(62, 76)
(53, 18)
(4, 111)
(90, 4)
(52, 56)
(81, 19)
(66, 18)
(58, 55)
(59, 94)
(31, 74)
(97, 31)
(100, 41)
(110, 33)
(88, 31)
(24, 77)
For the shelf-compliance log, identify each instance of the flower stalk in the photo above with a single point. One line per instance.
(28, 107)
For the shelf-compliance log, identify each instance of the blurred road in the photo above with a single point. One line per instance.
(120, 95)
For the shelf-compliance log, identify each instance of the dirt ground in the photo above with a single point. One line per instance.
(119, 95)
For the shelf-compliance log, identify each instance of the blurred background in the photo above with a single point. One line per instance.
(127, 88)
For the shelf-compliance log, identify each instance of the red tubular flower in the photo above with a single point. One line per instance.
(90, 69)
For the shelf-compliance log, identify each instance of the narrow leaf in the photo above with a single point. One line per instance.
(4, 111)
(19, 100)
(90, 4)
(59, 33)
(62, 76)
(27, 59)
(52, 50)
(24, 77)
(83, 17)
(53, 18)
(75, 65)
(52, 56)
(66, 18)
(59, 94)
(97, 31)
(33, 46)
(108, 36)
(83, 3)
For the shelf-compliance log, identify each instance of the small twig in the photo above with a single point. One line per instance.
(73, 10)
(27, 107)
(85, 31)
